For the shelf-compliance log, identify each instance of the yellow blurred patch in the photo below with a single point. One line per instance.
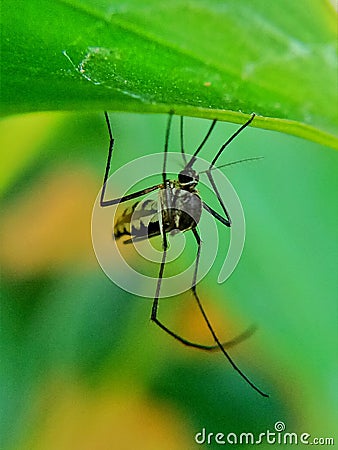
(22, 138)
(78, 419)
(49, 225)
(193, 326)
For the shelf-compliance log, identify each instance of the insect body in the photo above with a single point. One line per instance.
(178, 207)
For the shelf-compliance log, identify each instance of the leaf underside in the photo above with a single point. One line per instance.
(213, 59)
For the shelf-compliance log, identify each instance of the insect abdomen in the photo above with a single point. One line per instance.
(140, 220)
(122, 223)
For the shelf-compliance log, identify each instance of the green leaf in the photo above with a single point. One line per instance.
(214, 59)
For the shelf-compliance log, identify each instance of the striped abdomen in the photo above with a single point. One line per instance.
(180, 209)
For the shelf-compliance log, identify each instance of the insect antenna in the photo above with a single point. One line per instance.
(254, 158)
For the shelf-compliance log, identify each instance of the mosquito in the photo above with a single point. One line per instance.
(179, 208)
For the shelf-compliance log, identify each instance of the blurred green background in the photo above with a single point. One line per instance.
(82, 365)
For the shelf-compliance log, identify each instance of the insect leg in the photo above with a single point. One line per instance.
(115, 201)
(182, 141)
(226, 221)
(218, 342)
(211, 348)
(166, 198)
(219, 198)
(206, 137)
(231, 138)
(184, 341)
(217, 216)
(166, 145)
(209, 174)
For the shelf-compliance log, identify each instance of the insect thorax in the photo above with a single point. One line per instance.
(181, 210)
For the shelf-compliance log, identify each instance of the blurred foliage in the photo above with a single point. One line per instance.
(82, 365)
(215, 59)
